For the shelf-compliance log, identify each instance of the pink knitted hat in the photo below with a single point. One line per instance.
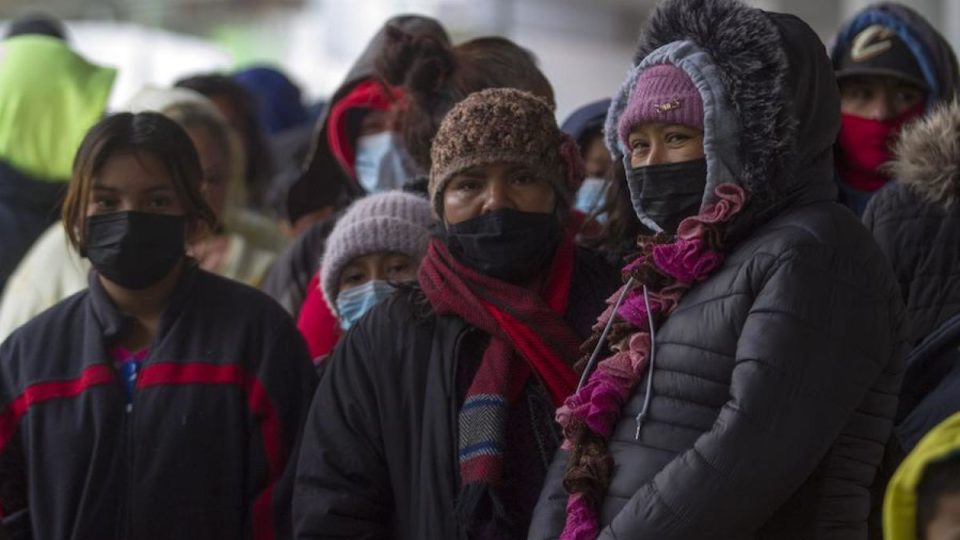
(662, 93)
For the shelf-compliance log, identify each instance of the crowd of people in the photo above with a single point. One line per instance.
(721, 302)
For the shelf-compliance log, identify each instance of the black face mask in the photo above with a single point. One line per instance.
(134, 249)
(506, 244)
(668, 193)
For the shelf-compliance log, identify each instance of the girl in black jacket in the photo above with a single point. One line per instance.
(163, 401)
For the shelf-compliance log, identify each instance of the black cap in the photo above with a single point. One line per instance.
(877, 50)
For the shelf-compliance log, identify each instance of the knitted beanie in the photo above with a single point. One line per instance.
(662, 93)
(503, 125)
(391, 221)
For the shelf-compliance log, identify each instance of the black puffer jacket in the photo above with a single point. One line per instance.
(379, 458)
(774, 381)
(916, 219)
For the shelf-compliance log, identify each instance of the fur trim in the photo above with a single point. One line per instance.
(747, 49)
(928, 155)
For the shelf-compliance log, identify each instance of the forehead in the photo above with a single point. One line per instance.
(130, 171)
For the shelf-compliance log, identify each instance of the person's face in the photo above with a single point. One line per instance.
(216, 168)
(596, 158)
(946, 523)
(133, 182)
(487, 188)
(878, 97)
(656, 143)
(385, 266)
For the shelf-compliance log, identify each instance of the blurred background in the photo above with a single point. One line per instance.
(584, 46)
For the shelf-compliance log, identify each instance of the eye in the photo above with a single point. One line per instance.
(524, 179)
(676, 138)
(397, 268)
(908, 96)
(159, 202)
(104, 203)
(353, 278)
(467, 185)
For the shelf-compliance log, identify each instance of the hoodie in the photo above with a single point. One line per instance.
(933, 54)
(900, 503)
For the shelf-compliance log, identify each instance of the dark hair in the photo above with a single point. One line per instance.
(142, 133)
(39, 24)
(939, 478)
(617, 238)
(258, 170)
(437, 76)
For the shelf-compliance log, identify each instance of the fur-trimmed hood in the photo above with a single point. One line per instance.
(771, 105)
(933, 54)
(927, 156)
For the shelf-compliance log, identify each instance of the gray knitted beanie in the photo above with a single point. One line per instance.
(391, 221)
(509, 126)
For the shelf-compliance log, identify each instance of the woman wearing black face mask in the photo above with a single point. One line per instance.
(163, 401)
(434, 420)
(756, 352)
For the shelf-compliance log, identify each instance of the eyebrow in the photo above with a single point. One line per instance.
(154, 189)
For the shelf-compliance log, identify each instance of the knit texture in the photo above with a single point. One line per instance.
(504, 125)
(665, 94)
(392, 221)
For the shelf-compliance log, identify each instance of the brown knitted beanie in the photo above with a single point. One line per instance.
(503, 125)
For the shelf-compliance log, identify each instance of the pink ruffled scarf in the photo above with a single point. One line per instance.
(598, 403)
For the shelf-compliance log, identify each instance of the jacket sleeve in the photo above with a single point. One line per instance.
(279, 397)
(14, 496)
(343, 488)
(813, 344)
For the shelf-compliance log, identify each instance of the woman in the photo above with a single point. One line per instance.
(492, 333)
(757, 349)
(51, 271)
(377, 244)
(171, 400)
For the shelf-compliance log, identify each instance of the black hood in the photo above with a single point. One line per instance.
(323, 181)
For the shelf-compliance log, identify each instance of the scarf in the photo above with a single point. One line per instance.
(527, 335)
(667, 267)
(864, 145)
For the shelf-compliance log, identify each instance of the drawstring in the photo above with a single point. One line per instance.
(653, 354)
(653, 349)
(603, 335)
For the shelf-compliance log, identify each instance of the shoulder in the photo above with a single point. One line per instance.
(221, 296)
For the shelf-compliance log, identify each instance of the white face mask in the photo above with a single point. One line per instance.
(381, 163)
(592, 195)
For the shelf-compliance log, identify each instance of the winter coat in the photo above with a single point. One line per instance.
(52, 270)
(379, 458)
(205, 448)
(774, 382)
(49, 98)
(932, 52)
(916, 220)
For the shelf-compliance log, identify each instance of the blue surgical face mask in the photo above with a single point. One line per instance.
(591, 196)
(353, 303)
(381, 163)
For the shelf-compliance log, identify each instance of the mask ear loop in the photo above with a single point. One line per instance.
(603, 336)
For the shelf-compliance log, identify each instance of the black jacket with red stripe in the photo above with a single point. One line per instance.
(203, 451)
